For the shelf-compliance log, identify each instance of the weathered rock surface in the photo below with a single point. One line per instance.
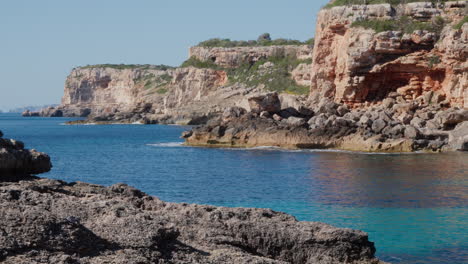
(235, 56)
(50, 221)
(15, 159)
(389, 127)
(28, 113)
(358, 66)
(268, 102)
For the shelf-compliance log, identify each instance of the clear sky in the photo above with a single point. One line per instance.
(42, 40)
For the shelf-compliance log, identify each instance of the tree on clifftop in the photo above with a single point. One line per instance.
(264, 37)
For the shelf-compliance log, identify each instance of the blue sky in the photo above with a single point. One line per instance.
(41, 41)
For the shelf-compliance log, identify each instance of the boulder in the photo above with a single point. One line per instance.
(365, 121)
(288, 112)
(326, 106)
(458, 138)
(268, 102)
(378, 125)
(418, 122)
(233, 112)
(295, 121)
(15, 159)
(450, 118)
(388, 103)
(412, 132)
(342, 110)
(305, 112)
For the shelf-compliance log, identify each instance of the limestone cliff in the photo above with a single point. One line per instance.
(357, 60)
(107, 90)
(185, 95)
(235, 56)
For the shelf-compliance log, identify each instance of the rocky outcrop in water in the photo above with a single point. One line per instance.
(393, 126)
(15, 159)
(353, 63)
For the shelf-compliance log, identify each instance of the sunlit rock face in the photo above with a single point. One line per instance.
(106, 90)
(359, 66)
(235, 56)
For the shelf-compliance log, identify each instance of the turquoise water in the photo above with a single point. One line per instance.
(414, 206)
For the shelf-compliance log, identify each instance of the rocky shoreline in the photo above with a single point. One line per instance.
(51, 221)
(395, 125)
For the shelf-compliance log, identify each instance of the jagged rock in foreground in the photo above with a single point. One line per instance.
(393, 126)
(50, 221)
(15, 159)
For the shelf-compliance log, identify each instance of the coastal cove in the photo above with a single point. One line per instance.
(412, 205)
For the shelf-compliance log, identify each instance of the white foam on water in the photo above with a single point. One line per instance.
(275, 148)
(167, 144)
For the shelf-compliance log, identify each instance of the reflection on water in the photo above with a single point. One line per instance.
(418, 181)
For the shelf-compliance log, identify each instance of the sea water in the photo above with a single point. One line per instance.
(413, 206)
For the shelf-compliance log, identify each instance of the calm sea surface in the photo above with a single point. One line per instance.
(414, 206)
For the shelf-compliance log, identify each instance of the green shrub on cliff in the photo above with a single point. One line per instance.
(129, 66)
(273, 73)
(404, 24)
(263, 40)
(197, 63)
(458, 26)
(373, 2)
(151, 82)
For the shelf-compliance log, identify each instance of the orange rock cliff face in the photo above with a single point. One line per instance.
(359, 66)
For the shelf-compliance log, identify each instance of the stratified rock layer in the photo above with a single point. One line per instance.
(49, 221)
(15, 159)
(358, 66)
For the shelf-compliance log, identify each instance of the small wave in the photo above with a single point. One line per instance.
(167, 144)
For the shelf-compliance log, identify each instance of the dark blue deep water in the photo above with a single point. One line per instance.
(414, 206)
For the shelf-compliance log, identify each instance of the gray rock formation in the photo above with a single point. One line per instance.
(268, 102)
(15, 159)
(389, 127)
(52, 221)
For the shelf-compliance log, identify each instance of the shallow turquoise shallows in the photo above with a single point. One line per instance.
(414, 206)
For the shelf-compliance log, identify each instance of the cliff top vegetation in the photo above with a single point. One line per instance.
(263, 40)
(128, 66)
(273, 72)
(404, 24)
(373, 2)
